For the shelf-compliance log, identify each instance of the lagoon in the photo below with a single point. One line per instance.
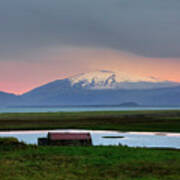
(131, 139)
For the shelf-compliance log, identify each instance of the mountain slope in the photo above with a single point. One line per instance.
(156, 97)
(8, 99)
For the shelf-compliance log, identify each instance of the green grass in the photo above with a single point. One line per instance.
(168, 121)
(88, 163)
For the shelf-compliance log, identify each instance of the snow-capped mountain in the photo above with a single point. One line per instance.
(117, 80)
(101, 88)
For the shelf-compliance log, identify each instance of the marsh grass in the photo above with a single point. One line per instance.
(168, 121)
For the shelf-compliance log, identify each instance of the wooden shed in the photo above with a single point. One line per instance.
(66, 139)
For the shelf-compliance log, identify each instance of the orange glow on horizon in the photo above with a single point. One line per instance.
(21, 76)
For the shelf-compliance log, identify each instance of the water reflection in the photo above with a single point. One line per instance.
(132, 139)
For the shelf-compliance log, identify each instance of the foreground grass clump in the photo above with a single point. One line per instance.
(168, 121)
(89, 163)
(10, 143)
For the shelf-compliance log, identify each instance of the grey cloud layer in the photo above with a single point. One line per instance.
(148, 28)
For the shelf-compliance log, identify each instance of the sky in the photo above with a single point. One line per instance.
(45, 40)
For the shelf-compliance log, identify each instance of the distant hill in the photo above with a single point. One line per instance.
(129, 104)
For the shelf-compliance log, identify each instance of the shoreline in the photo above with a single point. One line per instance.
(90, 131)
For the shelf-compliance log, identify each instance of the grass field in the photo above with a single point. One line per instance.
(26, 162)
(22, 162)
(168, 121)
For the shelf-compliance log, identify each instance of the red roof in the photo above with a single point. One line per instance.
(69, 136)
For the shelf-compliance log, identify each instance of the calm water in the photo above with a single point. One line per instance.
(132, 139)
(81, 109)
